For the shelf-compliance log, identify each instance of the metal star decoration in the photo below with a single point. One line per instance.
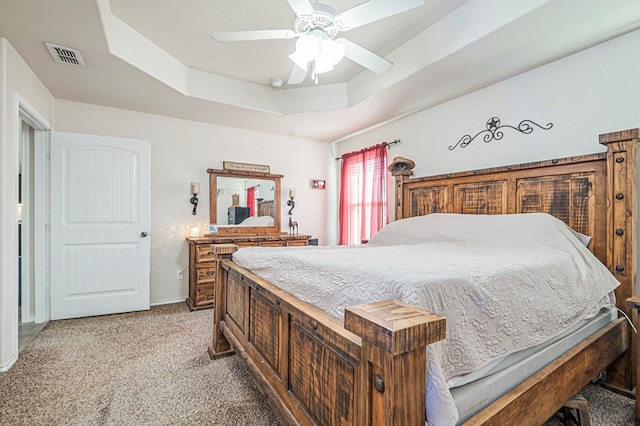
(494, 131)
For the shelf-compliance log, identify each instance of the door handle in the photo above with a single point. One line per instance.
(143, 234)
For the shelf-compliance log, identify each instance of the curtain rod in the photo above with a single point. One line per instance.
(387, 144)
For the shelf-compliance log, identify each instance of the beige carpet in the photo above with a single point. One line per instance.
(147, 368)
(152, 368)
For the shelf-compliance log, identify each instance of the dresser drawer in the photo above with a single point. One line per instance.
(204, 295)
(271, 243)
(202, 261)
(204, 253)
(242, 244)
(205, 275)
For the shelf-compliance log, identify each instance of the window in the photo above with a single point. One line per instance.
(363, 194)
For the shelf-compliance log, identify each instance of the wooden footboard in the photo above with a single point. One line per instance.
(315, 370)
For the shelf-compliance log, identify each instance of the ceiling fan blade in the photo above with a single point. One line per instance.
(364, 57)
(373, 10)
(301, 7)
(253, 35)
(297, 75)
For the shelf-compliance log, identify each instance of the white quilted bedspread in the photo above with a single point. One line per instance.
(504, 283)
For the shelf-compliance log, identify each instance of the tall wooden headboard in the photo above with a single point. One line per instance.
(596, 195)
(572, 189)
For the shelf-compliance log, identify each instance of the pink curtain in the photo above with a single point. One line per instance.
(363, 194)
(251, 200)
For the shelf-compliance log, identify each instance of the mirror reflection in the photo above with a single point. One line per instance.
(245, 201)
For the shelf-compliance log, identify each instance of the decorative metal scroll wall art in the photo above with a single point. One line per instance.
(494, 131)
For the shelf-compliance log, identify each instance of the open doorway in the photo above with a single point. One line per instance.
(27, 328)
(32, 138)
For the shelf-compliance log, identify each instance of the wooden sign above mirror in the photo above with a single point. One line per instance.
(244, 202)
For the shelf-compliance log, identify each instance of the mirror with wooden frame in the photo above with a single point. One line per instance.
(242, 202)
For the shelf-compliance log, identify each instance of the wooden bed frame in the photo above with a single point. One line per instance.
(371, 369)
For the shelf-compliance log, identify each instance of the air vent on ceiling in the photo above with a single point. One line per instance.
(66, 55)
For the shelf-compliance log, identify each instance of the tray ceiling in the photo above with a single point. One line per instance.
(157, 56)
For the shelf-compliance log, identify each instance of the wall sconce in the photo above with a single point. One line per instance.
(293, 225)
(290, 202)
(195, 190)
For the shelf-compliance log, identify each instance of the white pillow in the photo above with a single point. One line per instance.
(584, 239)
(258, 221)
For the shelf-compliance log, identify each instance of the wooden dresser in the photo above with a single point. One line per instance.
(203, 262)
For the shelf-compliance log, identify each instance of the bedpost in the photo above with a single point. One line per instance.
(401, 168)
(622, 235)
(220, 346)
(394, 339)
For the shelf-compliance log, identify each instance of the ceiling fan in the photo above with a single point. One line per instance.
(316, 27)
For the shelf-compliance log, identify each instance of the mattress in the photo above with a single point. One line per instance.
(476, 395)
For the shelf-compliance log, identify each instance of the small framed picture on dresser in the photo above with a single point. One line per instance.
(213, 228)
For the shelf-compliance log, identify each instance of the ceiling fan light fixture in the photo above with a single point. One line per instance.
(320, 67)
(299, 59)
(318, 48)
(329, 55)
(308, 47)
(331, 51)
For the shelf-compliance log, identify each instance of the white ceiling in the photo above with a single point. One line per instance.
(157, 56)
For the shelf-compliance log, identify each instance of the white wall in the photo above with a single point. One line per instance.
(589, 93)
(181, 152)
(17, 81)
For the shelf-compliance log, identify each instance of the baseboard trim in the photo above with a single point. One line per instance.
(9, 364)
(167, 302)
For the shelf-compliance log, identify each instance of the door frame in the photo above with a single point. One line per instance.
(20, 110)
(39, 211)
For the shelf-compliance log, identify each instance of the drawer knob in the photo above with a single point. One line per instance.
(619, 159)
(619, 268)
(619, 231)
(378, 383)
(619, 196)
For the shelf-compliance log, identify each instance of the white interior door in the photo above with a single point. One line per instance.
(100, 225)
